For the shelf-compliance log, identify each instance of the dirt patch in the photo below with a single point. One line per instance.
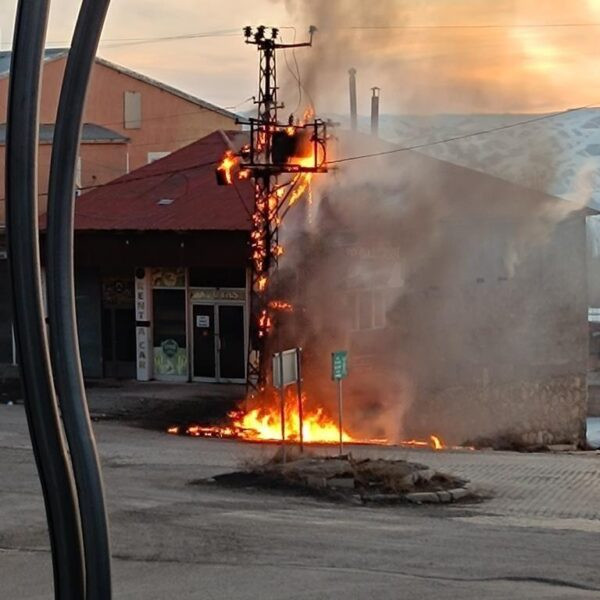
(363, 481)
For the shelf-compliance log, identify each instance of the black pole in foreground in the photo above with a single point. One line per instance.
(64, 343)
(32, 345)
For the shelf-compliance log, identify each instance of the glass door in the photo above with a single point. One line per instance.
(232, 355)
(203, 322)
(219, 343)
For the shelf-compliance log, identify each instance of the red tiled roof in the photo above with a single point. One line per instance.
(178, 192)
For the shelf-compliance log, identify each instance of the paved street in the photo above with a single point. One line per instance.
(537, 537)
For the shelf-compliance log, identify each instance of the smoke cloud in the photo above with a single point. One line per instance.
(443, 57)
(448, 286)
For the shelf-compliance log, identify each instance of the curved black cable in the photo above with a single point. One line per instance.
(64, 343)
(22, 228)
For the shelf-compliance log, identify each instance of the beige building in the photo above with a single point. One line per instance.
(131, 120)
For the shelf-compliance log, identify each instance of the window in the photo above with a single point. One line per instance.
(367, 310)
(132, 117)
(152, 156)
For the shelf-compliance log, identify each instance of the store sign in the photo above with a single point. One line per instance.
(142, 299)
(285, 367)
(143, 331)
(239, 295)
(170, 359)
(142, 353)
(202, 321)
(168, 278)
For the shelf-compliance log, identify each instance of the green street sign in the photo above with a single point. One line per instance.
(339, 364)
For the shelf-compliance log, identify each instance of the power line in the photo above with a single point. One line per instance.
(473, 26)
(149, 40)
(239, 103)
(463, 136)
(235, 32)
(214, 33)
(172, 38)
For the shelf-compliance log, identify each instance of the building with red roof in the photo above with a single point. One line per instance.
(162, 258)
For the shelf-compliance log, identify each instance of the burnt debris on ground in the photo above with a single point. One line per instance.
(368, 481)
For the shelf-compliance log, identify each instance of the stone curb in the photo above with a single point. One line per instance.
(443, 497)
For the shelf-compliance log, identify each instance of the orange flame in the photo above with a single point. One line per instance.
(263, 424)
(437, 443)
(281, 305)
(262, 283)
(229, 161)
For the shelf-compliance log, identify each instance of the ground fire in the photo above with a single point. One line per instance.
(262, 423)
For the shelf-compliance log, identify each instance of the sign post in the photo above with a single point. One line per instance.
(282, 395)
(339, 370)
(286, 370)
(299, 389)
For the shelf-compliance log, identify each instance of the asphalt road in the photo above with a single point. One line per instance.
(538, 537)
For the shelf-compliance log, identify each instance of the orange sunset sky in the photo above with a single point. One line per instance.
(434, 56)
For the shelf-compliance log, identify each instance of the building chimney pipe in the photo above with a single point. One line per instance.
(353, 109)
(375, 111)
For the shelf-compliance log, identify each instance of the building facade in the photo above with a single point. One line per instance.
(162, 257)
(129, 120)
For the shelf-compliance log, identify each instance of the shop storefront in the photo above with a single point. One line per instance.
(187, 330)
(162, 257)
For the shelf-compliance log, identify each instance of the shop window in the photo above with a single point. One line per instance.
(170, 352)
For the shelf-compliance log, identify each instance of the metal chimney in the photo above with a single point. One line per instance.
(353, 110)
(375, 111)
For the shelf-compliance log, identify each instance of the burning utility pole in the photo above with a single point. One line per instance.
(296, 149)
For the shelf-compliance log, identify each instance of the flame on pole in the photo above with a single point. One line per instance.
(295, 151)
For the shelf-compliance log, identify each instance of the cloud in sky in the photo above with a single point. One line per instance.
(444, 69)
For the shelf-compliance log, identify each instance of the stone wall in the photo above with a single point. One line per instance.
(511, 414)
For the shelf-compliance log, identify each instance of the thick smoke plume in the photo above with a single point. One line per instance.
(443, 57)
(447, 285)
